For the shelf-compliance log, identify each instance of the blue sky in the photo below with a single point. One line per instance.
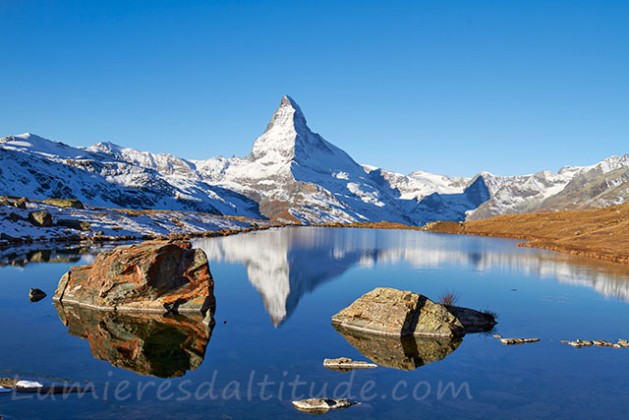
(451, 87)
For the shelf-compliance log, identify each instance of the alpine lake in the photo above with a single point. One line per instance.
(276, 291)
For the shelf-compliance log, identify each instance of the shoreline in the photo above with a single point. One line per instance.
(601, 234)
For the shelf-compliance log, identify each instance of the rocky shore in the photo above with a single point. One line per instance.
(24, 221)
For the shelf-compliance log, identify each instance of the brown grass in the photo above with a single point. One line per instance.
(598, 233)
(371, 225)
(449, 298)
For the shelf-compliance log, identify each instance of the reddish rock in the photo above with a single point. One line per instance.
(154, 276)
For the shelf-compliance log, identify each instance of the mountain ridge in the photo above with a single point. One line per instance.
(293, 174)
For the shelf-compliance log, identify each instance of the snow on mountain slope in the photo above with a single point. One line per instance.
(420, 184)
(293, 174)
(102, 176)
(600, 185)
(296, 173)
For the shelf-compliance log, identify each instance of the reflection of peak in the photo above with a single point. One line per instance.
(285, 264)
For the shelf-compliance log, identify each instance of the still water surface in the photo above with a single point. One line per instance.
(276, 291)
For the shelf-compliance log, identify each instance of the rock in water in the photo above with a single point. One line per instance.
(40, 218)
(402, 313)
(345, 364)
(155, 276)
(35, 295)
(514, 341)
(322, 405)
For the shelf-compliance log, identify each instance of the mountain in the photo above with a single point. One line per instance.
(107, 175)
(297, 175)
(293, 174)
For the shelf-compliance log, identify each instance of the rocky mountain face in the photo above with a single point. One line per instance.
(292, 174)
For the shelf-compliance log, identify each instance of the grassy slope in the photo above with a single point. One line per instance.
(599, 233)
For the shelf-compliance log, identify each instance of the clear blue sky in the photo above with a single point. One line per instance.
(450, 87)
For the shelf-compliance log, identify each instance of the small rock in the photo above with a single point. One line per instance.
(345, 364)
(75, 224)
(32, 387)
(40, 218)
(35, 295)
(596, 343)
(20, 203)
(512, 341)
(623, 343)
(322, 405)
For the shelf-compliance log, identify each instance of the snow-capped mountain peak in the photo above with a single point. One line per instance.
(292, 174)
(278, 141)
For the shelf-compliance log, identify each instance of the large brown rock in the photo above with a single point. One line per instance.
(399, 313)
(146, 343)
(154, 276)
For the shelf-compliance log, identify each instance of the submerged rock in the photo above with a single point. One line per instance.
(155, 276)
(597, 343)
(322, 405)
(35, 295)
(147, 344)
(346, 364)
(403, 313)
(514, 341)
(404, 353)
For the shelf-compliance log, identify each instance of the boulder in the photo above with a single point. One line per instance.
(40, 218)
(67, 203)
(399, 313)
(154, 276)
(395, 312)
(146, 343)
(75, 224)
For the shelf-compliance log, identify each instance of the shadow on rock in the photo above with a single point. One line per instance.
(405, 353)
(149, 344)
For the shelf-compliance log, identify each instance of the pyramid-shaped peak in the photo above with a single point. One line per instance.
(287, 116)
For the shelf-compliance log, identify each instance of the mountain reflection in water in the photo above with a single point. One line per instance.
(285, 264)
(146, 343)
